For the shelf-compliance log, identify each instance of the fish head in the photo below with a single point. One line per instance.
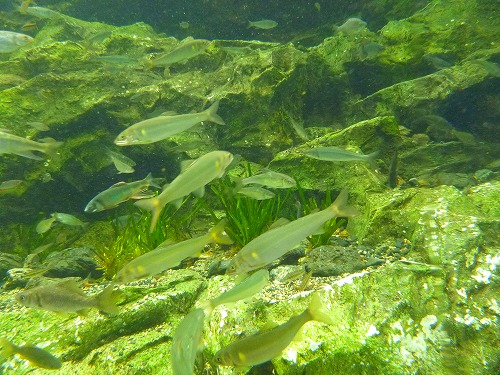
(126, 139)
(224, 160)
(223, 357)
(22, 39)
(93, 206)
(232, 268)
(26, 299)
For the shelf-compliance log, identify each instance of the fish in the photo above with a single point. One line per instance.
(38, 126)
(36, 356)
(186, 342)
(188, 49)
(44, 225)
(11, 41)
(158, 128)
(271, 179)
(67, 297)
(253, 284)
(40, 12)
(392, 178)
(339, 154)
(122, 163)
(12, 144)
(68, 219)
(168, 255)
(255, 192)
(266, 345)
(119, 193)
(274, 243)
(352, 26)
(191, 180)
(10, 184)
(263, 24)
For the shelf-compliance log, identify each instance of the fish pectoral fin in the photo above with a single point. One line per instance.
(144, 195)
(83, 312)
(29, 154)
(200, 192)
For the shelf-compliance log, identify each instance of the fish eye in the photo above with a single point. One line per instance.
(21, 297)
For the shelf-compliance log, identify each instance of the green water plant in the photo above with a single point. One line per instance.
(308, 203)
(246, 218)
(133, 238)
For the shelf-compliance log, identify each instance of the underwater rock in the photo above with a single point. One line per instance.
(72, 262)
(336, 260)
(7, 262)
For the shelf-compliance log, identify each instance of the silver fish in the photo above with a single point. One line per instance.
(12, 144)
(11, 41)
(271, 179)
(339, 154)
(186, 50)
(255, 192)
(33, 354)
(266, 345)
(161, 127)
(120, 192)
(186, 342)
(263, 24)
(274, 243)
(192, 180)
(66, 296)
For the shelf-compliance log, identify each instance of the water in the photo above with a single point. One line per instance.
(411, 283)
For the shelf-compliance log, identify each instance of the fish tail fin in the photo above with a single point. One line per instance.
(152, 205)
(212, 114)
(316, 311)
(106, 300)
(218, 235)
(341, 208)
(7, 348)
(371, 158)
(51, 146)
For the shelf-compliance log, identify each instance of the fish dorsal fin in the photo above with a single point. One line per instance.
(278, 223)
(119, 184)
(185, 164)
(47, 140)
(71, 285)
(169, 113)
(186, 40)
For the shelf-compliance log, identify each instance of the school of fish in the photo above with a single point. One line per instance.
(67, 296)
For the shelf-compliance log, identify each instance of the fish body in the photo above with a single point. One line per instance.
(40, 12)
(274, 243)
(253, 284)
(185, 51)
(256, 192)
(168, 255)
(11, 41)
(118, 193)
(186, 342)
(158, 128)
(263, 24)
(11, 184)
(66, 297)
(264, 346)
(339, 154)
(44, 225)
(122, 163)
(352, 26)
(271, 179)
(68, 219)
(12, 144)
(35, 355)
(192, 180)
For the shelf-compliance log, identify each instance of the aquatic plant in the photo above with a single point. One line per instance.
(310, 204)
(132, 237)
(246, 218)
